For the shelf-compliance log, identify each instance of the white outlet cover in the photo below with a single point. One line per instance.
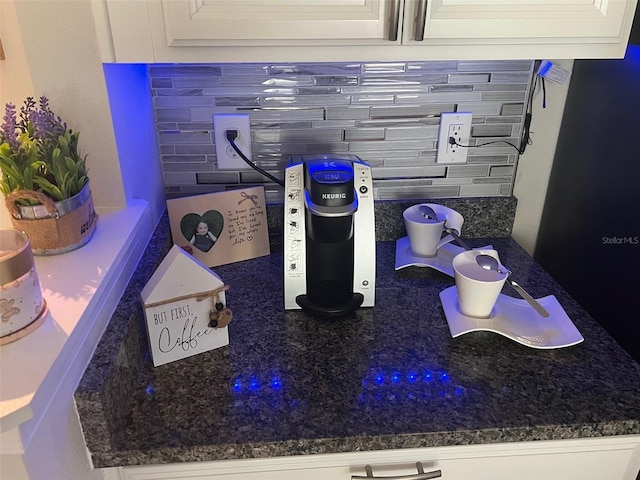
(226, 157)
(457, 125)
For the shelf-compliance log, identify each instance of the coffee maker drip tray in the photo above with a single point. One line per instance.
(330, 304)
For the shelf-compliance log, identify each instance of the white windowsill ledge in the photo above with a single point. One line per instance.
(82, 289)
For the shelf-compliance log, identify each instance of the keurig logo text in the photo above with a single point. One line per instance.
(331, 196)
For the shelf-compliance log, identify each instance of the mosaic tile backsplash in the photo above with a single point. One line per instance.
(387, 114)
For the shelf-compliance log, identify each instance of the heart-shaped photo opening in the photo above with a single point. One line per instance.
(202, 231)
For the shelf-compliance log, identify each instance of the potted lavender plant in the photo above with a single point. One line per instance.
(44, 178)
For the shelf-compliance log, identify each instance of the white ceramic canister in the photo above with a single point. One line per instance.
(22, 307)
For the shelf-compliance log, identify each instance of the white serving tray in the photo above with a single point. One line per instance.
(442, 261)
(517, 320)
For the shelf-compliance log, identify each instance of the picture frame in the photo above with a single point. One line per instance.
(222, 227)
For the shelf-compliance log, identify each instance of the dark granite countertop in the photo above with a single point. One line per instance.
(392, 377)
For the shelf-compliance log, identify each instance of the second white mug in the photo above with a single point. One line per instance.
(478, 289)
(425, 234)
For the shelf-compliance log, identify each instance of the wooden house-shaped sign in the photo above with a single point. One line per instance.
(178, 300)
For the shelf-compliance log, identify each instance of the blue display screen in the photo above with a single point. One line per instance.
(331, 176)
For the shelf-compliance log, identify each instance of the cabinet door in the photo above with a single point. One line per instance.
(259, 22)
(516, 21)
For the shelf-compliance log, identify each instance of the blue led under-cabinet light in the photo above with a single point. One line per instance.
(633, 55)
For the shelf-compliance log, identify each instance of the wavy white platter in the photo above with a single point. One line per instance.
(441, 261)
(515, 319)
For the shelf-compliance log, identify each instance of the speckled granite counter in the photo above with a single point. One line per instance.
(392, 377)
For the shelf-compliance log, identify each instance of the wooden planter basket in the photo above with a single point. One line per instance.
(54, 227)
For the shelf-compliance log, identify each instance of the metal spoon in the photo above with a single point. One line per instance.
(428, 212)
(489, 263)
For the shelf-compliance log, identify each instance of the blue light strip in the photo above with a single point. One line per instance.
(633, 55)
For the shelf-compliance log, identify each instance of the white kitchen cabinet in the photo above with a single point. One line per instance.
(151, 31)
(519, 21)
(613, 458)
(252, 30)
(229, 22)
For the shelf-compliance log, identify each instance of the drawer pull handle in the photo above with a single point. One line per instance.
(421, 475)
(421, 19)
(394, 19)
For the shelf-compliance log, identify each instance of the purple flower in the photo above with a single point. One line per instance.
(32, 134)
(37, 121)
(8, 130)
(45, 122)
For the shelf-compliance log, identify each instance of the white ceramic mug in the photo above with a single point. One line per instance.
(21, 301)
(425, 234)
(478, 288)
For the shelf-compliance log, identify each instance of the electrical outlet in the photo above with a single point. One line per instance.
(458, 127)
(226, 156)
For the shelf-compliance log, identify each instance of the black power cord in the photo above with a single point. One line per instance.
(453, 141)
(231, 136)
(525, 138)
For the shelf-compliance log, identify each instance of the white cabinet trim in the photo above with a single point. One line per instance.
(609, 457)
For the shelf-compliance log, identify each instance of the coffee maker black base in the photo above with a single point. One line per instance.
(319, 309)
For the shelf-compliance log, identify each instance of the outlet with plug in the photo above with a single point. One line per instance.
(226, 157)
(453, 137)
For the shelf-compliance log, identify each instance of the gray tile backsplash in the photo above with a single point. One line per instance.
(385, 113)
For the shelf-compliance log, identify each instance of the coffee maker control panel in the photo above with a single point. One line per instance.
(294, 235)
(364, 271)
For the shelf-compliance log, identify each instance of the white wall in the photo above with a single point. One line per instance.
(15, 78)
(134, 126)
(534, 167)
(50, 50)
(54, 48)
(58, 49)
(65, 64)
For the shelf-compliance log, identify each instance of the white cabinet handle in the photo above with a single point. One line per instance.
(394, 18)
(420, 20)
(421, 475)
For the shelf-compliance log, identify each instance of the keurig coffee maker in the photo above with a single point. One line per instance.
(329, 249)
